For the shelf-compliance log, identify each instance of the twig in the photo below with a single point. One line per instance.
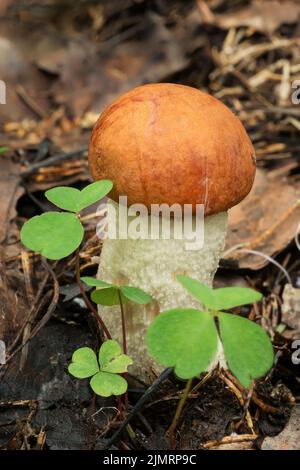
(254, 397)
(230, 440)
(163, 376)
(29, 294)
(30, 102)
(48, 314)
(52, 160)
(36, 307)
(177, 415)
(234, 389)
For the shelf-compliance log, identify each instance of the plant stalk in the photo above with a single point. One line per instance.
(124, 343)
(86, 299)
(178, 412)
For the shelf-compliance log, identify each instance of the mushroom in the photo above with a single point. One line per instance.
(167, 144)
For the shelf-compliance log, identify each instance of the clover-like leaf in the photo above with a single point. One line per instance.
(136, 295)
(111, 358)
(106, 384)
(219, 299)
(54, 234)
(93, 282)
(198, 290)
(247, 347)
(94, 192)
(109, 350)
(229, 297)
(108, 296)
(185, 339)
(74, 200)
(84, 363)
(128, 293)
(64, 197)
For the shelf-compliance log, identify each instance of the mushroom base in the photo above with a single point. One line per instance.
(153, 265)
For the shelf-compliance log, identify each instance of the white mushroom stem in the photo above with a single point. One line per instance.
(153, 265)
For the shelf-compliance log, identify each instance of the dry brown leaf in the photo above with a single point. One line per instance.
(19, 74)
(266, 221)
(12, 306)
(289, 438)
(92, 75)
(10, 191)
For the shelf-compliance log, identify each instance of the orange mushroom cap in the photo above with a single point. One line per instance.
(168, 143)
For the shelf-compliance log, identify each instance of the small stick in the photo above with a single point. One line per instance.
(30, 102)
(178, 413)
(234, 389)
(47, 315)
(163, 376)
(231, 440)
(52, 160)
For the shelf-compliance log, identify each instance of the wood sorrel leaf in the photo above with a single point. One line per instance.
(108, 296)
(219, 299)
(64, 197)
(93, 282)
(229, 297)
(54, 234)
(84, 363)
(94, 192)
(109, 350)
(74, 200)
(106, 384)
(185, 339)
(201, 292)
(111, 358)
(136, 295)
(247, 347)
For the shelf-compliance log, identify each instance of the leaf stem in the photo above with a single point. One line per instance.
(124, 342)
(123, 323)
(178, 413)
(86, 299)
(163, 376)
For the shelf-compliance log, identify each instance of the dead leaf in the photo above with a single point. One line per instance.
(290, 309)
(261, 15)
(17, 71)
(10, 191)
(289, 438)
(3, 7)
(92, 75)
(266, 221)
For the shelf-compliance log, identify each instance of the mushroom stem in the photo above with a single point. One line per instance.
(152, 265)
